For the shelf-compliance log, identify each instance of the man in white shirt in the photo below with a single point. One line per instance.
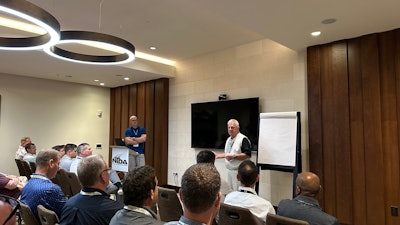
(246, 196)
(237, 149)
(21, 149)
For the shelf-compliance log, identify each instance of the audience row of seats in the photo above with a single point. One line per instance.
(170, 209)
(169, 205)
(47, 217)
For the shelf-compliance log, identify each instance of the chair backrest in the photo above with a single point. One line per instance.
(62, 180)
(47, 216)
(273, 219)
(234, 215)
(75, 185)
(169, 205)
(23, 168)
(27, 215)
(20, 168)
(32, 165)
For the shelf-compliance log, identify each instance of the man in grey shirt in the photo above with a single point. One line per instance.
(140, 195)
(305, 206)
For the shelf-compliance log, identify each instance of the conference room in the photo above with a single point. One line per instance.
(343, 83)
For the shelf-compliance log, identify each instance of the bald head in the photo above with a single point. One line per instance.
(5, 211)
(308, 184)
(133, 121)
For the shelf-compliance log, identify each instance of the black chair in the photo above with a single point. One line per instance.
(234, 215)
(32, 165)
(169, 205)
(273, 219)
(23, 168)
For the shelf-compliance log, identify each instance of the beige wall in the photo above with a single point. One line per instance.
(264, 69)
(51, 113)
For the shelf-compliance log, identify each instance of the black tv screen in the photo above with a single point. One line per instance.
(209, 122)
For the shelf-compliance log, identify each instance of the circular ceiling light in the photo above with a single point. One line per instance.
(122, 50)
(25, 10)
(328, 21)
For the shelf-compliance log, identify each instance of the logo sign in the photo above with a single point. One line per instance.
(120, 159)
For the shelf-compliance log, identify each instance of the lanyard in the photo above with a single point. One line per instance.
(90, 193)
(39, 177)
(246, 191)
(135, 131)
(138, 209)
(307, 203)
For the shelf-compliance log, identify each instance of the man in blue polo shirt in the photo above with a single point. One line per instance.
(40, 190)
(135, 137)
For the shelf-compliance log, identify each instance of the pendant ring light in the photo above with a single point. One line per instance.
(34, 14)
(126, 51)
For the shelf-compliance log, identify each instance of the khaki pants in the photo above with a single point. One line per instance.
(136, 161)
(232, 179)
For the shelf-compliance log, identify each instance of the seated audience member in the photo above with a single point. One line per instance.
(207, 156)
(305, 205)
(9, 185)
(40, 190)
(85, 150)
(19, 154)
(92, 205)
(60, 149)
(30, 155)
(69, 156)
(140, 195)
(246, 196)
(200, 194)
(8, 210)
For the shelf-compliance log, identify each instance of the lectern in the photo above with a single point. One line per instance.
(119, 158)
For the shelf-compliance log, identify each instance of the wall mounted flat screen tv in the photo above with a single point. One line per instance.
(209, 122)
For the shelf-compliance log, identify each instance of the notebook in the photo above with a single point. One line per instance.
(119, 141)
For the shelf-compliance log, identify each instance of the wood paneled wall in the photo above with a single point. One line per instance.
(149, 102)
(354, 126)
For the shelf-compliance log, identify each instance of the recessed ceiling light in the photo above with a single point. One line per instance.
(153, 48)
(328, 21)
(126, 78)
(96, 80)
(316, 33)
(102, 84)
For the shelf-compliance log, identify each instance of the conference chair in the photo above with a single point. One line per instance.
(27, 215)
(235, 215)
(74, 184)
(47, 216)
(169, 205)
(273, 219)
(32, 166)
(62, 180)
(23, 168)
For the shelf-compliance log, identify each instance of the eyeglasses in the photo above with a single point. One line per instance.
(14, 204)
(108, 170)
